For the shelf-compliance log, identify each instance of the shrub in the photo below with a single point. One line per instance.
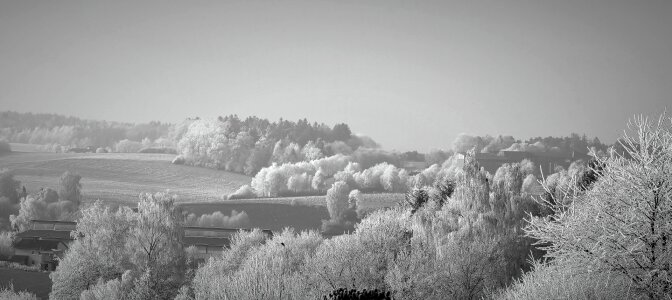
(6, 247)
(244, 192)
(8, 293)
(18, 266)
(127, 146)
(178, 160)
(218, 219)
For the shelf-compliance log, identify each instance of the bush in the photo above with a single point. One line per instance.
(179, 160)
(101, 150)
(8, 293)
(6, 247)
(18, 266)
(244, 192)
(218, 219)
(127, 146)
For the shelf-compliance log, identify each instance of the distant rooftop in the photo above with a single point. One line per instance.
(206, 241)
(45, 234)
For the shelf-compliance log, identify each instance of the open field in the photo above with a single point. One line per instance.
(301, 213)
(118, 178)
(121, 177)
(37, 283)
(273, 216)
(18, 147)
(369, 201)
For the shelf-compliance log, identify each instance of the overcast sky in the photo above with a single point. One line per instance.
(410, 74)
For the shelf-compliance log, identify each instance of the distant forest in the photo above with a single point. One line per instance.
(248, 145)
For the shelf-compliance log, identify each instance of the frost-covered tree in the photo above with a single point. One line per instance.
(44, 205)
(70, 188)
(464, 142)
(311, 152)
(98, 252)
(337, 199)
(9, 187)
(623, 223)
(142, 249)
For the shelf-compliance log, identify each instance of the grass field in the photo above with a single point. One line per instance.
(121, 177)
(37, 283)
(369, 201)
(301, 213)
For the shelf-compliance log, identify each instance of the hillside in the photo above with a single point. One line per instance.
(120, 177)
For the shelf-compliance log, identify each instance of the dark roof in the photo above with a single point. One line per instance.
(205, 241)
(218, 231)
(45, 234)
(33, 244)
(53, 222)
(222, 229)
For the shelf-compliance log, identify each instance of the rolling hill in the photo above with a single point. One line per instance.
(121, 177)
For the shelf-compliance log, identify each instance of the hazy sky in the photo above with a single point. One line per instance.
(410, 74)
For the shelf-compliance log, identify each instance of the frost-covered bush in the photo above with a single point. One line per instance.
(8, 293)
(243, 192)
(178, 160)
(127, 146)
(6, 244)
(218, 219)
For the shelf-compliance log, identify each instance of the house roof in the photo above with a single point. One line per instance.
(53, 222)
(206, 241)
(219, 232)
(32, 244)
(45, 234)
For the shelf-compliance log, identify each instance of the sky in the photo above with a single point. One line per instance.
(410, 74)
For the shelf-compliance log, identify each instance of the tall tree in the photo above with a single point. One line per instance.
(70, 188)
(624, 223)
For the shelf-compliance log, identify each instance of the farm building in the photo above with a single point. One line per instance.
(43, 243)
(546, 161)
(210, 241)
(47, 240)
